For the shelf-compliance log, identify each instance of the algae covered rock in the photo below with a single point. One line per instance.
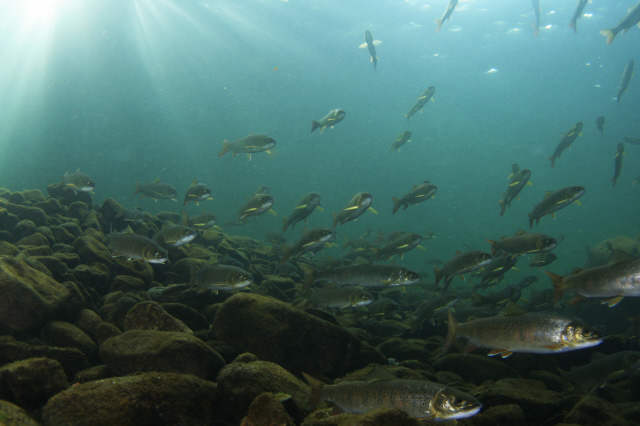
(152, 316)
(378, 417)
(71, 360)
(65, 335)
(147, 350)
(595, 411)
(276, 332)
(267, 410)
(32, 381)
(12, 415)
(475, 368)
(144, 399)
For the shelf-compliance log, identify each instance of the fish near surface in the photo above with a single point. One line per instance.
(632, 18)
(461, 263)
(606, 369)
(334, 117)
(600, 124)
(536, 12)
(554, 201)
(633, 141)
(577, 14)
(357, 205)
(197, 192)
(523, 243)
(519, 179)
(418, 194)
(135, 247)
(77, 182)
(371, 44)
(618, 163)
(624, 82)
(307, 205)
(447, 14)
(516, 330)
(156, 190)
(566, 141)
(248, 145)
(421, 102)
(400, 140)
(421, 399)
(217, 277)
(310, 242)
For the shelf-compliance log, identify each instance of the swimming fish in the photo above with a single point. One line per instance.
(217, 277)
(566, 141)
(197, 192)
(577, 14)
(357, 205)
(371, 44)
(421, 102)
(632, 18)
(554, 201)
(624, 82)
(248, 145)
(461, 263)
(618, 162)
(77, 182)
(307, 205)
(519, 179)
(135, 247)
(418, 194)
(156, 190)
(334, 117)
(523, 242)
(400, 140)
(447, 14)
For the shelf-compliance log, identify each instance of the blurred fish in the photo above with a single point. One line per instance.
(461, 263)
(523, 243)
(539, 300)
(400, 140)
(365, 275)
(255, 206)
(132, 215)
(493, 272)
(174, 235)
(384, 307)
(631, 19)
(634, 141)
(135, 247)
(275, 237)
(311, 241)
(248, 145)
(554, 201)
(357, 205)
(566, 141)
(334, 117)
(418, 398)
(421, 101)
(447, 14)
(618, 163)
(218, 277)
(606, 369)
(156, 190)
(339, 298)
(536, 11)
(499, 298)
(519, 179)
(307, 205)
(418, 194)
(360, 244)
(626, 78)
(398, 246)
(600, 124)
(77, 182)
(430, 309)
(197, 192)
(539, 260)
(263, 190)
(516, 330)
(527, 281)
(204, 220)
(371, 44)
(383, 328)
(577, 14)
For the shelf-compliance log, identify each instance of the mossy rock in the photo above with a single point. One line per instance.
(64, 335)
(32, 381)
(71, 360)
(152, 316)
(12, 415)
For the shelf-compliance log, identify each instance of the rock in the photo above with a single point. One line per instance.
(152, 316)
(91, 221)
(377, 417)
(71, 360)
(77, 210)
(276, 332)
(97, 276)
(192, 318)
(106, 331)
(115, 313)
(135, 268)
(73, 229)
(91, 250)
(267, 410)
(551, 381)
(147, 350)
(37, 216)
(98, 372)
(8, 221)
(12, 415)
(64, 335)
(24, 228)
(17, 198)
(614, 394)
(88, 321)
(72, 260)
(35, 239)
(33, 195)
(54, 265)
(241, 383)
(111, 210)
(226, 351)
(475, 368)
(29, 298)
(127, 283)
(62, 235)
(537, 403)
(593, 410)
(8, 249)
(401, 349)
(32, 381)
(145, 399)
(50, 206)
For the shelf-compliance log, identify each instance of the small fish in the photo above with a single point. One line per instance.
(428, 310)
(383, 329)
(631, 19)
(400, 140)
(493, 272)
(460, 264)
(275, 237)
(364, 275)
(371, 44)
(421, 102)
(418, 398)
(600, 124)
(218, 277)
(383, 307)
(542, 259)
(626, 78)
(536, 11)
(516, 330)
(135, 247)
(132, 215)
(248, 145)
(156, 190)
(447, 14)
(310, 242)
(340, 298)
(77, 182)
(334, 117)
(618, 162)
(256, 205)
(577, 14)
(566, 141)
(554, 201)
(633, 141)
(499, 298)
(398, 246)
(307, 205)
(204, 220)
(519, 179)
(606, 369)
(174, 236)
(357, 205)
(527, 281)
(523, 243)
(197, 192)
(418, 194)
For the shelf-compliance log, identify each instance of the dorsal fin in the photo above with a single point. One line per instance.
(547, 194)
(511, 309)
(360, 261)
(185, 218)
(156, 180)
(378, 373)
(575, 271)
(426, 181)
(128, 230)
(515, 168)
(618, 256)
(195, 182)
(458, 252)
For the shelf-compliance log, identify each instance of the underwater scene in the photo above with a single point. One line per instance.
(319, 212)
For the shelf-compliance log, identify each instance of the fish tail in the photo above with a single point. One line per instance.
(285, 224)
(438, 273)
(309, 274)
(451, 333)
(530, 220)
(493, 246)
(408, 117)
(535, 29)
(316, 390)
(185, 218)
(225, 148)
(396, 204)
(572, 24)
(503, 207)
(610, 35)
(438, 24)
(556, 282)
(553, 161)
(287, 254)
(138, 189)
(314, 125)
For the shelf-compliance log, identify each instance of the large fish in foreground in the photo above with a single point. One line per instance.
(421, 102)
(618, 162)
(371, 44)
(460, 264)
(334, 117)
(248, 145)
(135, 247)
(624, 82)
(421, 399)
(566, 141)
(554, 201)
(611, 282)
(519, 179)
(357, 205)
(418, 194)
(365, 275)
(516, 330)
(447, 14)
(310, 242)
(631, 19)
(606, 369)
(307, 205)
(577, 14)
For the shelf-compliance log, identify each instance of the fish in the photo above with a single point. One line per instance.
(248, 145)
(357, 205)
(360, 244)
(632, 18)
(263, 190)
(633, 141)
(554, 201)
(132, 215)
(566, 141)
(363, 275)
(624, 82)
(174, 236)
(255, 206)
(493, 272)
(447, 14)
(618, 162)
(77, 182)
(383, 329)
(509, 293)
(334, 117)
(421, 399)
(421, 102)
(418, 194)
(204, 220)
(608, 368)
(307, 205)
(600, 124)
(516, 330)
(519, 179)
(156, 190)
(217, 277)
(611, 282)
(371, 44)
(577, 14)
(311, 241)
(135, 247)
(527, 281)
(536, 11)
(523, 243)
(400, 140)
(275, 237)
(339, 298)
(539, 260)
(398, 246)
(460, 264)
(428, 310)
(384, 307)
(197, 192)
(540, 300)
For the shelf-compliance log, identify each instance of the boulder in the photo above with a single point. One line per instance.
(12, 415)
(267, 410)
(192, 318)
(91, 250)
(595, 411)
(377, 417)
(96, 276)
(152, 316)
(71, 360)
(127, 283)
(401, 349)
(64, 335)
(32, 381)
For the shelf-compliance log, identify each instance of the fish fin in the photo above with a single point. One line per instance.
(351, 208)
(613, 301)
(303, 206)
(529, 183)
(577, 299)
(438, 273)
(502, 352)
(372, 210)
(378, 373)
(553, 215)
(272, 212)
(493, 246)
(249, 156)
(319, 208)
(376, 43)
(510, 309)
(251, 209)
(462, 276)
(438, 24)
(362, 46)
(309, 273)
(316, 389)
(451, 333)
(610, 35)
(421, 248)
(287, 254)
(396, 204)
(577, 202)
(470, 347)
(514, 183)
(314, 125)
(335, 410)
(556, 282)
(458, 252)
